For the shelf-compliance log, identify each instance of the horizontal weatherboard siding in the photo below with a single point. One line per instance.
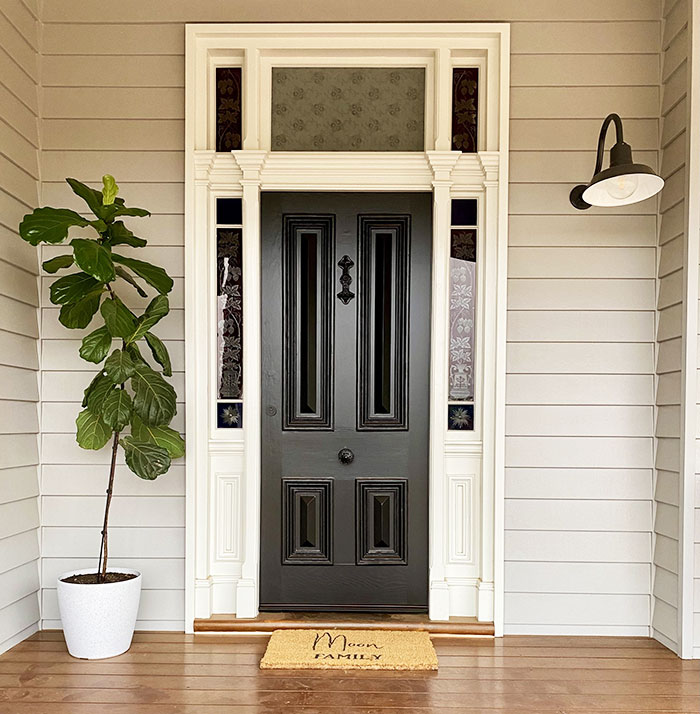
(581, 289)
(19, 328)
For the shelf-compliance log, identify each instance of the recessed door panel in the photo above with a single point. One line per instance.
(308, 321)
(345, 374)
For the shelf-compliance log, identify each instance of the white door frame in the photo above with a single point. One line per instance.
(466, 468)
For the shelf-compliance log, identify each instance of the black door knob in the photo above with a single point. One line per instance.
(345, 456)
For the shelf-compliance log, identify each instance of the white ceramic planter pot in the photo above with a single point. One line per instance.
(99, 620)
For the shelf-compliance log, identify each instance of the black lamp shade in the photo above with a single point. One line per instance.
(623, 182)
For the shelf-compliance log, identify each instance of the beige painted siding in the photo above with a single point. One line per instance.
(581, 290)
(580, 355)
(672, 241)
(19, 361)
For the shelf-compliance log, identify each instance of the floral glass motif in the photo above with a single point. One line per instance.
(462, 314)
(348, 108)
(229, 415)
(465, 109)
(229, 312)
(460, 417)
(229, 124)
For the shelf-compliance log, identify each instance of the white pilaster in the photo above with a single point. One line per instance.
(441, 163)
(251, 163)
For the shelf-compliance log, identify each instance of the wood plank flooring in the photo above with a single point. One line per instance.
(173, 673)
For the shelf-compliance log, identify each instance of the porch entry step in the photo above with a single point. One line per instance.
(267, 622)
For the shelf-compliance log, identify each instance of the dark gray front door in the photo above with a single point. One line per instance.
(345, 410)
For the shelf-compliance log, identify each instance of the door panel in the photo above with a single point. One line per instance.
(345, 374)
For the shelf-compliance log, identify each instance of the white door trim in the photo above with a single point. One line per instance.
(466, 468)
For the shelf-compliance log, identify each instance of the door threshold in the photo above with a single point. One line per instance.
(267, 622)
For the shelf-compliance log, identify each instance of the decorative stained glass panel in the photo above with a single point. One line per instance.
(229, 312)
(462, 314)
(465, 109)
(229, 415)
(460, 417)
(229, 122)
(348, 108)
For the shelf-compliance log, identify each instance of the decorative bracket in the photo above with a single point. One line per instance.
(345, 263)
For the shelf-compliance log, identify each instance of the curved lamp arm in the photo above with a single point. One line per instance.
(619, 154)
(601, 138)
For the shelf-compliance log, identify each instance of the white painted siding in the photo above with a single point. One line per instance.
(665, 618)
(581, 290)
(19, 362)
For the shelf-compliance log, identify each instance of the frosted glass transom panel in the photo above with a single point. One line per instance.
(348, 109)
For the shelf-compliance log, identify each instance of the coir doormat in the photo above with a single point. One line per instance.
(349, 649)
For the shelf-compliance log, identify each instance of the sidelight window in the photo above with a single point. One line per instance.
(463, 257)
(229, 306)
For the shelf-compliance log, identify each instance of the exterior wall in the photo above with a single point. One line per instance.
(581, 295)
(670, 304)
(19, 360)
(693, 197)
(579, 415)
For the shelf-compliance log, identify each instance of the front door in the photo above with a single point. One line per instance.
(345, 401)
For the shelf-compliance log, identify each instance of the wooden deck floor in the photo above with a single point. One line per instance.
(170, 673)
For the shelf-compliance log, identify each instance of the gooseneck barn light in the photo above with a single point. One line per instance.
(623, 182)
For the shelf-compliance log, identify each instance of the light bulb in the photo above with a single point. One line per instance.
(622, 187)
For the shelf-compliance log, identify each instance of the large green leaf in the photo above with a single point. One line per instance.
(157, 309)
(109, 189)
(154, 398)
(97, 391)
(148, 461)
(91, 196)
(152, 274)
(119, 366)
(125, 275)
(93, 259)
(119, 319)
(55, 264)
(119, 234)
(78, 315)
(116, 409)
(92, 432)
(133, 349)
(73, 287)
(160, 353)
(124, 211)
(95, 346)
(163, 436)
(49, 224)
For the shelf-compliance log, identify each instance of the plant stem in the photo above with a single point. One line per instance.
(102, 565)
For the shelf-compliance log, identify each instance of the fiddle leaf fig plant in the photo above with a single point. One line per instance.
(127, 393)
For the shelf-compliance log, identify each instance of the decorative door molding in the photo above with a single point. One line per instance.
(466, 466)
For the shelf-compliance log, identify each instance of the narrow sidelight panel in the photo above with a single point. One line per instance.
(462, 314)
(229, 297)
(382, 395)
(308, 321)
